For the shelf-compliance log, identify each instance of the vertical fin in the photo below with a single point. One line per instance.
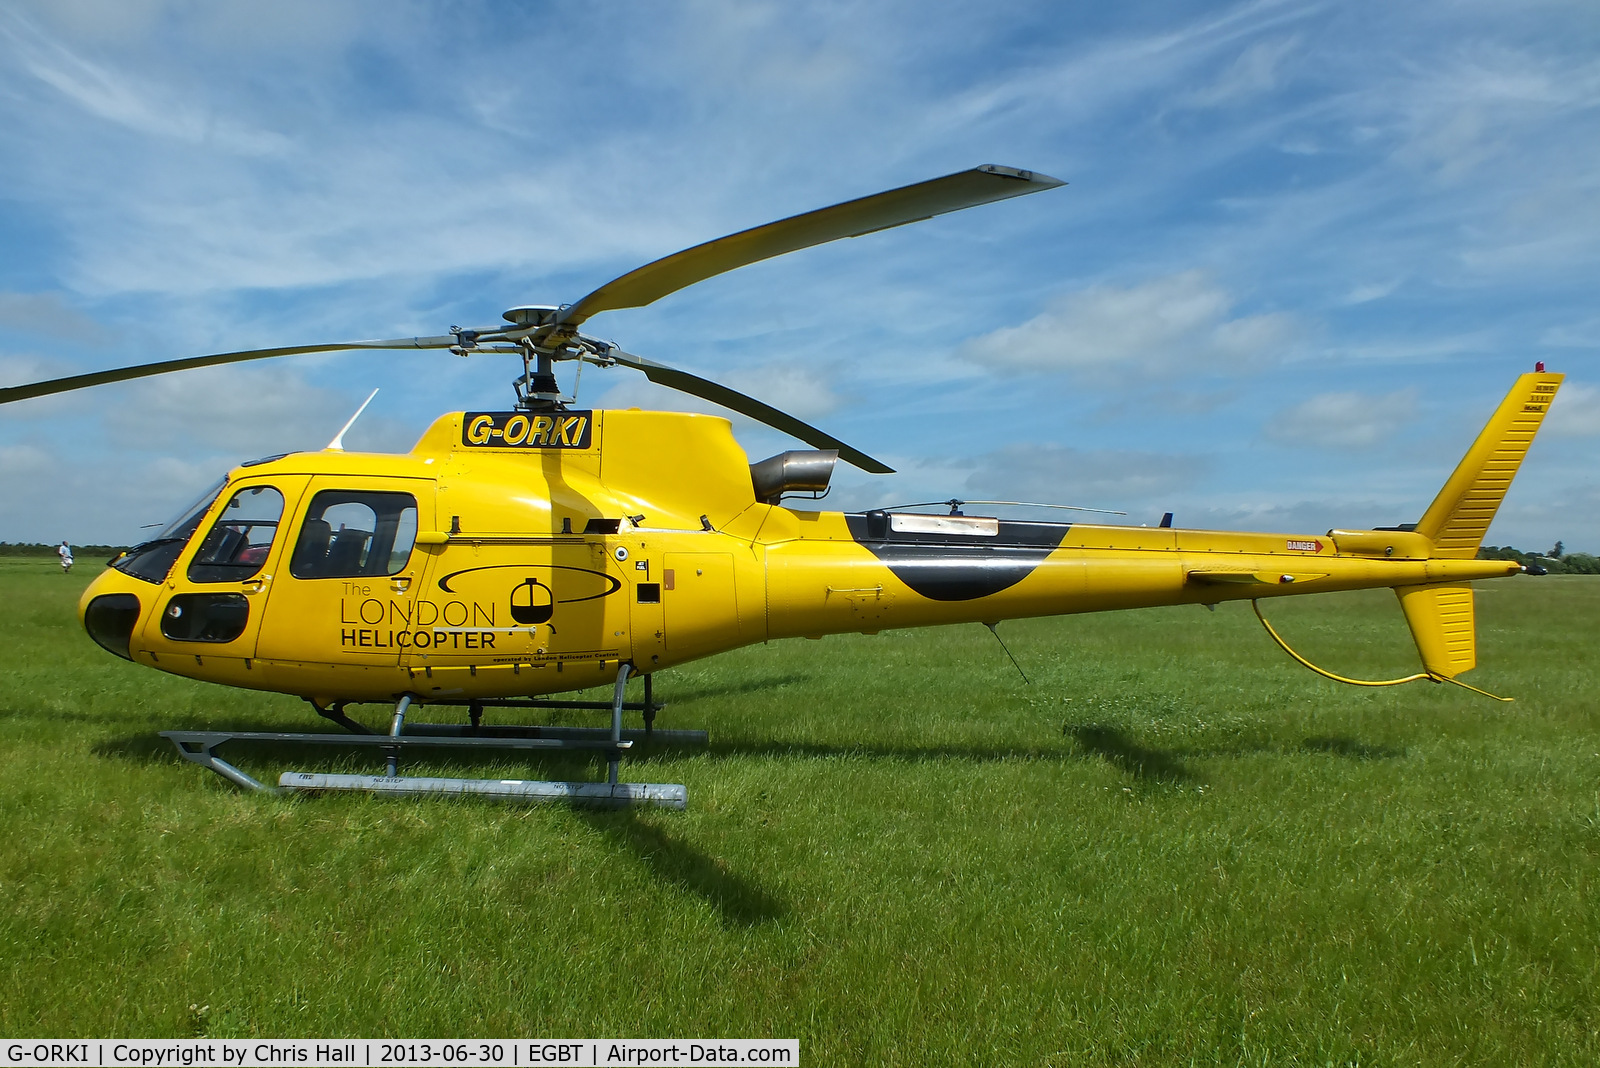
(1441, 622)
(1459, 517)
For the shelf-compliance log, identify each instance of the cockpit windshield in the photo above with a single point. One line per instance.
(152, 560)
(189, 518)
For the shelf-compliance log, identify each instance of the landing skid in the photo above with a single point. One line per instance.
(200, 747)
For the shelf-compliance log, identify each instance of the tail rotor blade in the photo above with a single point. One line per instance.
(732, 399)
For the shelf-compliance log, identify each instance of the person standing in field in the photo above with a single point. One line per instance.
(65, 552)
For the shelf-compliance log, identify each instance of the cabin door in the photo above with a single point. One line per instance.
(215, 598)
(346, 588)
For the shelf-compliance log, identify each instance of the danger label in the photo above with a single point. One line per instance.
(1299, 545)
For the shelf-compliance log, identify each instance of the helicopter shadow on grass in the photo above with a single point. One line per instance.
(739, 901)
(1143, 763)
(737, 689)
(680, 694)
(1341, 745)
(1115, 745)
(1149, 764)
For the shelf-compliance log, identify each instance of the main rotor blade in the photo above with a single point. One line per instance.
(853, 218)
(717, 393)
(145, 370)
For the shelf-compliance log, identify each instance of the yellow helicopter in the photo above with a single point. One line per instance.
(540, 550)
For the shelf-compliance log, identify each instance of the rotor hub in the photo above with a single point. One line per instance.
(525, 315)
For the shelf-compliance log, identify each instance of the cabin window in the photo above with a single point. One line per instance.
(205, 617)
(237, 546)
(355, 533)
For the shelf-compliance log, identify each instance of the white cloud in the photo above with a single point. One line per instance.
(49, 496)
(40, 313)
(242, 413)
(802, 391)
(1254, 72)
(1575, 412)
(1370, 291)
(1310, 516)
(1479, 102)
(1080, 81)
(1097, 478)
(1579, 335)
(24, 459)
(125, 101)
(1171, 326)
(1343, 420)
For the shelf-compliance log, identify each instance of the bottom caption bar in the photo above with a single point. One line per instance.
(394, 1053)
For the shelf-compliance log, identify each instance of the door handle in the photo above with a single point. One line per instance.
(256, 585)
(401, 583)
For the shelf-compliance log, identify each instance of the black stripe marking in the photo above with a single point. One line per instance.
(957, 567)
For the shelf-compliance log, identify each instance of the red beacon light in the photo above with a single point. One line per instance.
(1538, 368)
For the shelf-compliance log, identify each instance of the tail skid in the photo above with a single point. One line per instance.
(1430, 675)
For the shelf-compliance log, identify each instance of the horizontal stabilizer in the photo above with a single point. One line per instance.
(1234, 577)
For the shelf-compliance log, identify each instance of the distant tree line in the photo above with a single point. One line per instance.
(28, 548)
(1556, 561)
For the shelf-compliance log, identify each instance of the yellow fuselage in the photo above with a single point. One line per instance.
(539, 566)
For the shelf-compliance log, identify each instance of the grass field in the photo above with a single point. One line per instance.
(1173, 847)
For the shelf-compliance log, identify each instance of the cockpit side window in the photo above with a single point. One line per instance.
(237, 546)
(355, 533)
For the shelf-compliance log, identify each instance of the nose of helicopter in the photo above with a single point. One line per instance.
(110, 610)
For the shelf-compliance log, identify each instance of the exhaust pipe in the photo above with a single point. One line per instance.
(796, 471)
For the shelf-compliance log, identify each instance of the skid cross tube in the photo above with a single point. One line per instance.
(475, 709)
(616, 723)
(394, 732)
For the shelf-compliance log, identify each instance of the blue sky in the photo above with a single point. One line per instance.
(1304, 250)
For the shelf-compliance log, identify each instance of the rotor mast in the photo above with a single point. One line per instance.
(538, 334)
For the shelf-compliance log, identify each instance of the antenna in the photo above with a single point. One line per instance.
(337, 444)
(994, 628)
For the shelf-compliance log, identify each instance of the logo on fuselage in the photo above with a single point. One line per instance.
(526, 430)
(532, 603)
